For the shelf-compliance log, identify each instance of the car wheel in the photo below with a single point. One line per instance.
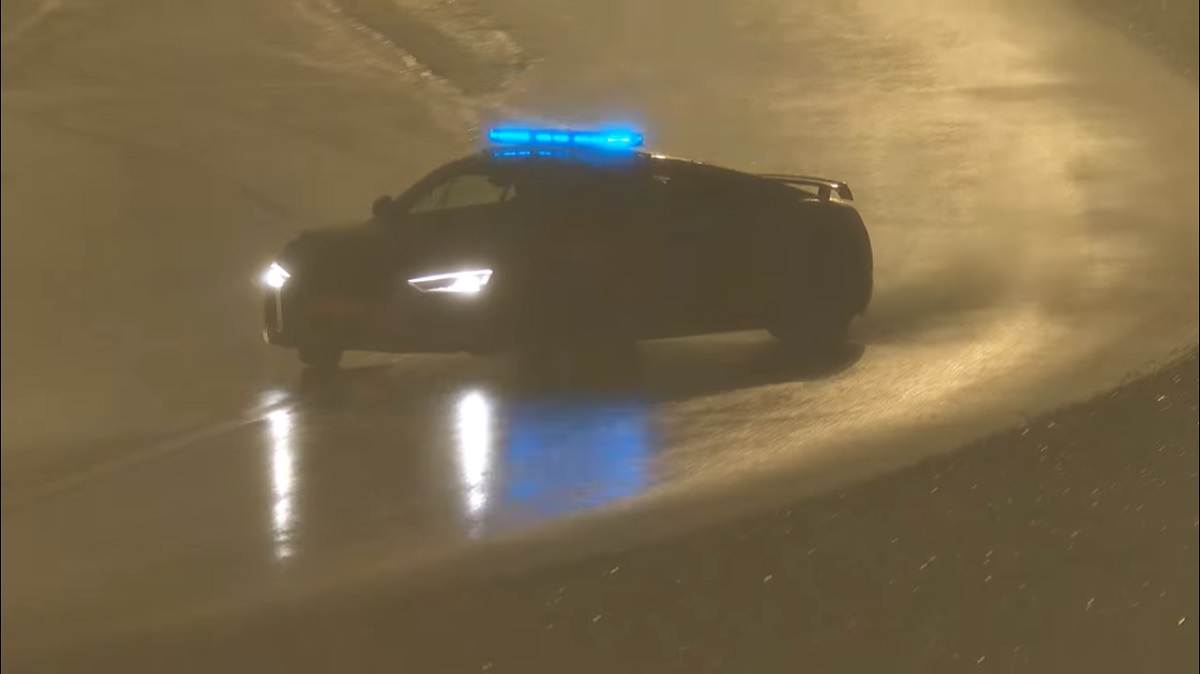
(320, 357)
(810, 329)
(815, 339)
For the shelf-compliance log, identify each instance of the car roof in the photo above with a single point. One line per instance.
(612, 160)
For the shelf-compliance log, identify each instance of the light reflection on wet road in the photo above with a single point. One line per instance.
(283, 481)
(479, 446)
(493, 461)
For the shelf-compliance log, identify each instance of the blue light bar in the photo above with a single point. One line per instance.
(616, 139)
(562, 154)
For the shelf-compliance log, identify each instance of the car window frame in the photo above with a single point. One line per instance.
(424, 187)
(504, 194)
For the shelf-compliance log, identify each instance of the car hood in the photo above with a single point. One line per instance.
(369, 256)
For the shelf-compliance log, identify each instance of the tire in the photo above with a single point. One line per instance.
(811, 334)
(318, 357)
(810, 319)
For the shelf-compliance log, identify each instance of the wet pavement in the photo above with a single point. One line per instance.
(1068, 544)
(1029, 177)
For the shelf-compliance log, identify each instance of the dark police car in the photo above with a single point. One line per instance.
(555, 240)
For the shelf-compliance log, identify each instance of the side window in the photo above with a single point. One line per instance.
(691, 205)
(707, 193)
(463, 191)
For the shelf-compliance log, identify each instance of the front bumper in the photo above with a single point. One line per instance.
(403, 323)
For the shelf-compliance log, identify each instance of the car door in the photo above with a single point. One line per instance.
(580, 249)
(629, 216)
(741, 245)
(454, 220)
(708, 229)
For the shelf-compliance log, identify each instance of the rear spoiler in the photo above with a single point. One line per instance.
(825, 187)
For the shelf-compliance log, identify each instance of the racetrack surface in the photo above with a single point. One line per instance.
(1028, 174)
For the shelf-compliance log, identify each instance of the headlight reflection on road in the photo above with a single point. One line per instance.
(474, 418)
(283, 482)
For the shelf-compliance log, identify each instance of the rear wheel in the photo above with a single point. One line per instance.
(811, 335)
(320, 357)
(808, 322)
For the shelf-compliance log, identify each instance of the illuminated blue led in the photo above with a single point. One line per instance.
(561, 154)
(616, 139)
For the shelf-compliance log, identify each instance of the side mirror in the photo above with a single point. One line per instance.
(382, 207)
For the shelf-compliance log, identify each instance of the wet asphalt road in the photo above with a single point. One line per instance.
(1029, 176)
(1068, 543)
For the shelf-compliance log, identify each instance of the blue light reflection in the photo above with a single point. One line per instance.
(563, 457)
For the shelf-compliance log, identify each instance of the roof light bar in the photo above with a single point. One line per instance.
(616, 139)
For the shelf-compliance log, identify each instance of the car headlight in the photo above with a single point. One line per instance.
(469, 282)
(275, 276)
